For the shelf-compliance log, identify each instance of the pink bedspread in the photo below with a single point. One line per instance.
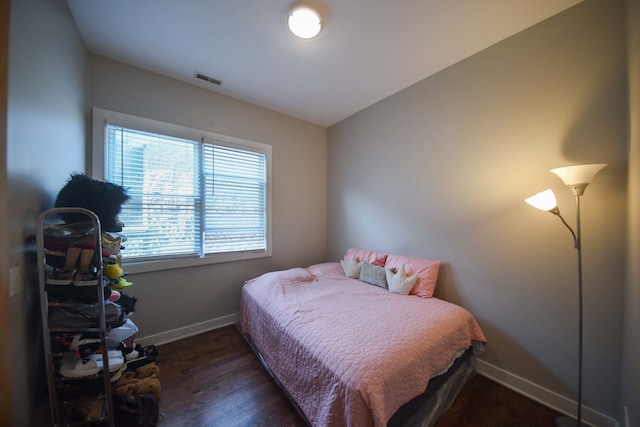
(349, 353)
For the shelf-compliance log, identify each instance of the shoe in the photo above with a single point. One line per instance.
(146, 355)
(59, 277)
(86, 344)
(121, 284)
(83, 345)
(55, 258)
(78, 368)
(115, 376)
(66, 274)
(84, 279)
(86, 274)
(111, 244)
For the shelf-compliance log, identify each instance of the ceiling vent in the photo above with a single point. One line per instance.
(208, 79)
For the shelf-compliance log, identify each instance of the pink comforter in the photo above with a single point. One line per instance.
(349, 353)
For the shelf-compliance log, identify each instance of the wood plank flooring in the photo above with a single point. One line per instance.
(215, 379)
(484, 403)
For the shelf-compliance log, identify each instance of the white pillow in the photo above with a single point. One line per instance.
(398, 282)
(351, 268)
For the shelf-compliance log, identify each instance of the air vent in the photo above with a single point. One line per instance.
(208, 79)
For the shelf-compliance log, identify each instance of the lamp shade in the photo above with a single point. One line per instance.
(304, 22)
(545, 200)
(576, 175)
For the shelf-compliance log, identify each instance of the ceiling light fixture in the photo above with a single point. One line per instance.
(304, 22)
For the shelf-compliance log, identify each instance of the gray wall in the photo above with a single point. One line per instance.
(441, 169)
(631, 349)
(181, 298)
(45, 142)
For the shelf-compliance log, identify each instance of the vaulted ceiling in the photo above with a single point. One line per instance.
(367, 50)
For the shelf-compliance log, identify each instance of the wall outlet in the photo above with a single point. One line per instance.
(15, 281)
(627, 423)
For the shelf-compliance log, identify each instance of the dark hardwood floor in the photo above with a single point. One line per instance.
(215, 379)
(484, 403)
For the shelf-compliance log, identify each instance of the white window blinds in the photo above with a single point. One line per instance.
(188, 197)
(234, 199)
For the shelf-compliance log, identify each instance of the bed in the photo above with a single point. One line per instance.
(350, 350)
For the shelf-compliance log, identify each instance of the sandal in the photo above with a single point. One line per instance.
(86, 275)
(65, 275)
(55, 258)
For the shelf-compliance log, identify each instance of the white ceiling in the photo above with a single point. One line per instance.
(368, 49)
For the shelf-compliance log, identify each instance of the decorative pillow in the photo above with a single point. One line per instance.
(373, 275)
(372, 257)
(351, 268)
(426, 270)
(398, 282)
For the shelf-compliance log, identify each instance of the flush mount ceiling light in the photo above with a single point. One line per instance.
(304, 22)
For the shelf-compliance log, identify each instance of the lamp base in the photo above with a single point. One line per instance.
(569, 422)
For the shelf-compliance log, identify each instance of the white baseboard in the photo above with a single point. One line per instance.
(186, 331)
(542, 395)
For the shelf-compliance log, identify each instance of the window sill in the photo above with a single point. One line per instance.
(135, 267)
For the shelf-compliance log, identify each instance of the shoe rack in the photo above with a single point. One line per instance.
(70, 279)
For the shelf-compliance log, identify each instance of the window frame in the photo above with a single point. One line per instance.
(102, 117)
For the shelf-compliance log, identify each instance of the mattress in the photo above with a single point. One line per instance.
(348, 353)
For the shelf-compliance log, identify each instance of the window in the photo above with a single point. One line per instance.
(196, 197)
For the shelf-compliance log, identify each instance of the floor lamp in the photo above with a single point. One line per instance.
(576, 177)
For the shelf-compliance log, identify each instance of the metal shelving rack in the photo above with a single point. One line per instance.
(50, 221)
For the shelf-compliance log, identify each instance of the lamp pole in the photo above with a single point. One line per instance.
(577, 178)
(578, 245)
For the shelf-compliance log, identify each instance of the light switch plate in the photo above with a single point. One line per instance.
(15, 281)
